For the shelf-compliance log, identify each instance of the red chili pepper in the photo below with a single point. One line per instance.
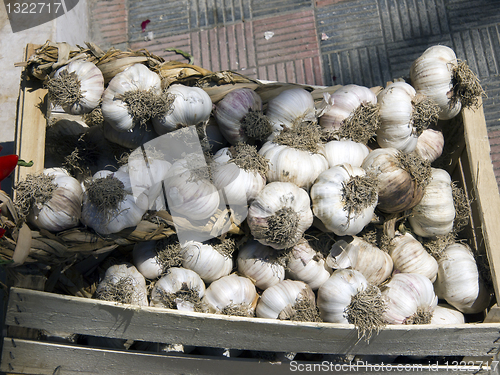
(2, 232)
(7, 165)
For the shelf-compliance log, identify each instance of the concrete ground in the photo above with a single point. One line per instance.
(320, 42)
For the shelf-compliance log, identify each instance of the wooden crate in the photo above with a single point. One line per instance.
(478, 343)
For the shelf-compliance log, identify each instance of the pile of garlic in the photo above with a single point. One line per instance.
(317, 176)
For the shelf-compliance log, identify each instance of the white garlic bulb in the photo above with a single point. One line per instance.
(430, 144)
(80, 89)
(307, 265)
(410, 299)
(435, 213)
(345, 101)
(344, 199)
(175, 288)
(208, 261)
(280, 300)
(458, 281)
(280, 214)
(189, 191)
(238, 110)
(123, 283)
(260, 263)
(146, 259)
(290, 108)
(446, 314)
(400, 123)
(432, 75)
(191, 106)
(109, 204)
(409, 256)
(375, 265)
(135, 79)
(345, 152)
(231, 295)
(64, 208)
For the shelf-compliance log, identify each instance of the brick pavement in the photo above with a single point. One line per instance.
(321, 42)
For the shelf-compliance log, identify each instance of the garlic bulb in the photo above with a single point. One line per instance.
(346, 297)
(290, 108)
(109, 204)
(178, 288)
(261, 264)
(123, 101)
(345, 101)
(191, 106)
(409, 256)
(403, 116)
(410, 299)
(146, 259)
(401, 178)
(307, 265)
(344, 199)
(280, 214)
(458, 281)
(288, 300)
(123, 283)
(240, 118)
(430, 144)
(77, 87)
(445, 314)
(189, 191)
(210, 261)
(345, 152)
(432, 74)
(231, 295)
(214, 140)
(63, 207)
(134, 138)
(240, 172)
(375, 265)
(435, 213)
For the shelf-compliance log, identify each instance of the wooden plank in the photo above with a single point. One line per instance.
(485, 186)
(31, 122)
(34, 357)
(52, 312)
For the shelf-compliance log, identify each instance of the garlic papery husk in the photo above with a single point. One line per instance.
(51, 200)
(280, 214)
(210, 260)
(404, 115)
(346, 297)
(133, 97)
(446, 314)
(291, 108)
(261, 264)
(138, 136)
(76, 87)
(345, 152)
(288, 300)
(305, 264)
(188, 188)
(375, 264)
(430, 144)
(231, 295)
(435, 213)
(449, 82)
(344, 199)
(295, 155)
(240, 118)
(191, 106)
(353, 114)
(240, 171)
(179, 288)
(401, 178)
(458, 281)
(410, 256)
(109, 204)
(410, 299)
(123, 283)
